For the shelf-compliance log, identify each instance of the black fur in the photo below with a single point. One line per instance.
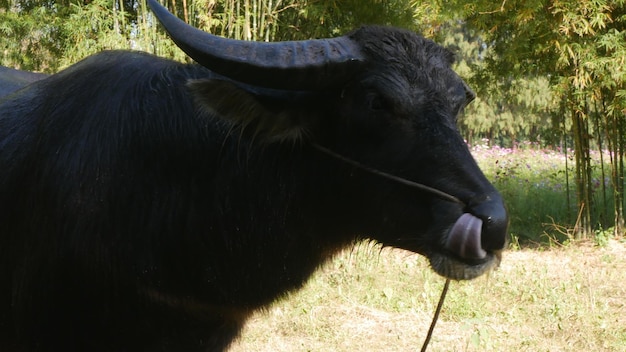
(135, 216)
(12, 80)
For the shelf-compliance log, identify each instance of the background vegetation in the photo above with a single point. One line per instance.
(550, 75)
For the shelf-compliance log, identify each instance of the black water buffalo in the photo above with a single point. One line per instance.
(12, 79)
(149, 205)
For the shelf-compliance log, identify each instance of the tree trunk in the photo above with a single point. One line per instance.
(582, 177)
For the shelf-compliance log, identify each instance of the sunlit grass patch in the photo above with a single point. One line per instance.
(569, 298)
(540, 196)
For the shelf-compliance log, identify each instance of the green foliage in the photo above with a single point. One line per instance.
(539, 197)
(579, 48)
(327, 18)
(82, 38)
(27, 40)
(506, 110)
(49, 35)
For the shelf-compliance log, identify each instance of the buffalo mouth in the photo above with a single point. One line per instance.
(463, 256)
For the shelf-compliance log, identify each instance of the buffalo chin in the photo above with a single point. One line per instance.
(454, 268)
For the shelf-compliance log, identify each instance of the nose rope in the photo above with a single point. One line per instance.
(444, 291)
(403, 181)
(421, 187)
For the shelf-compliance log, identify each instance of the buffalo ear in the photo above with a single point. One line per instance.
(272, 120)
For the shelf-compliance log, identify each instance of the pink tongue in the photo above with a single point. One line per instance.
(464, 238)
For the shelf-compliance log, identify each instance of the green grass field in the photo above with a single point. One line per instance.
(550, 297)
(534, 185)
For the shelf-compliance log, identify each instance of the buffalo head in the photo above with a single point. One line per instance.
(384, 98)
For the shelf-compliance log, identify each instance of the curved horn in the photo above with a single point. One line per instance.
(297, 65)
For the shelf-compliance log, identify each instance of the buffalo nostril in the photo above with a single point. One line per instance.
(492, 212)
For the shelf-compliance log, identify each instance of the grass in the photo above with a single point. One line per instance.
(534, 186)
(569, 298)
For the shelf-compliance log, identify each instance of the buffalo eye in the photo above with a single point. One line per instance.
(461, 95)
(377, 102)
(470, 95)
